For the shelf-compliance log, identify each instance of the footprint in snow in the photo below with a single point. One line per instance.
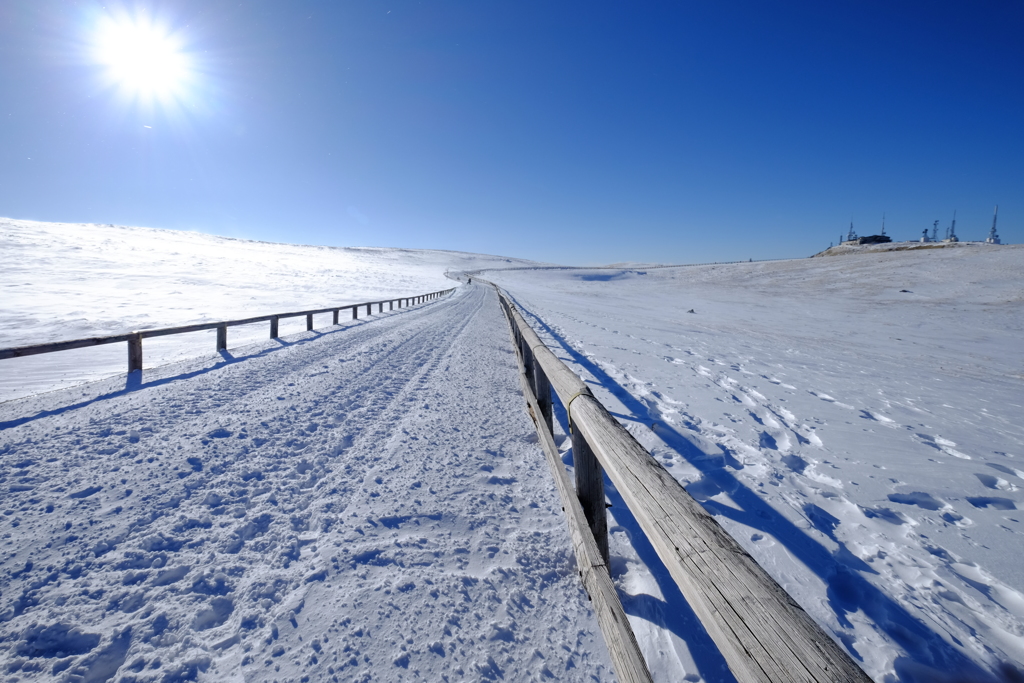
(944, 445)
(918, 498)
(825, 397)
(1006, 470)
(929, 502)
(992, 502)
(998, 483)
(877, 417)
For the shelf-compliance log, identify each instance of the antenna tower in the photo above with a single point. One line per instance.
(993, 237)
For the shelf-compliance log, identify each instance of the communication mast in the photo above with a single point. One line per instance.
(951, 231)
(993, 238)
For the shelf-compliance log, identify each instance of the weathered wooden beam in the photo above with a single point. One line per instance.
(335, 320)
(222, 337)
(273, 327)
(309, 322)
(34, 349)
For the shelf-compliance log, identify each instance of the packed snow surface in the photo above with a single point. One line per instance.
(61, 281)
(366, 503)
(856, 423)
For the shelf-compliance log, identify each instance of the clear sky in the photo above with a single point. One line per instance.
(574, 132)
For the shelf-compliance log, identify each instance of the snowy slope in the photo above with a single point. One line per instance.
(362, 504)
(856, 423)
(66, 281)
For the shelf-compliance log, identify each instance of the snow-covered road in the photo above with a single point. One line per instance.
(359, 503)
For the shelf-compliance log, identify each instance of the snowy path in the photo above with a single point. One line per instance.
(363, 503)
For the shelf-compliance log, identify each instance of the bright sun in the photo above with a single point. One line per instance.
(142, 58)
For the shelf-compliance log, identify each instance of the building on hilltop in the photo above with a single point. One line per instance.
(852, 238)
(873, 239)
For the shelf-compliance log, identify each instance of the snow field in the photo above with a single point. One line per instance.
(63, 281)
(863, 443)
(362, 503)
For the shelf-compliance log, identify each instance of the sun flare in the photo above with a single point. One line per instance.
(142, 58)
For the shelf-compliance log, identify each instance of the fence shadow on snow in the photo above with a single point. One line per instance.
(930, 657)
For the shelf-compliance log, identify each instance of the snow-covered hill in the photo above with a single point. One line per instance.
(66, 281)
(856, 423)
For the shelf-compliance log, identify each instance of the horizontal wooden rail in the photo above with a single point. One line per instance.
(762, 633)
(627, 660)
(134, 339)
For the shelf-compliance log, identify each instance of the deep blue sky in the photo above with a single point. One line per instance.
(575, 132)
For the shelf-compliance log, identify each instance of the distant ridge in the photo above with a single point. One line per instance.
(847, 249)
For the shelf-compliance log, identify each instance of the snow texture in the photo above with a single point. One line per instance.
(364, 503)
(63, 281)
(855, 423)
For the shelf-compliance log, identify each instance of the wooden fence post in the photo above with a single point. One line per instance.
(273, 327)
(355, 312)
(309, 322)
(335, 316)
(391, 305)
(222, 337)
(369, 309)
(380, 307)
(135, 352)
(590, 489)
(542, 390)
(528, 363)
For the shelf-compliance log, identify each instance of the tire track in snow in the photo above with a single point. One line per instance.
(367, 504)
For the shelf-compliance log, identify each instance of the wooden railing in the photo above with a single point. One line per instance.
(134, 339)
(762, 633)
